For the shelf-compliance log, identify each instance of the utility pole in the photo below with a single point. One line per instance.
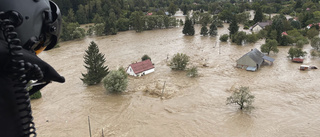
(164, 85)
(89, 125)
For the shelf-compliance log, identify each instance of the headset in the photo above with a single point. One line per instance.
(39, 27)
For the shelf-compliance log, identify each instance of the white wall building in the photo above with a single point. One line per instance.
(140, 68)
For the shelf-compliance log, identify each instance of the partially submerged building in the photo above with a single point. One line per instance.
(260, 26)
(140, 68)
(253, 60)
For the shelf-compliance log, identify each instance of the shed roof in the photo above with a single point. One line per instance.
(268, 58)
(141, 66)
(255, 55)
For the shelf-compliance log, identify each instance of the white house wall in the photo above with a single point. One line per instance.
(256, 29)
(130, 71)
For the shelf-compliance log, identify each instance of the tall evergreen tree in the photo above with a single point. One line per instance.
(233, 28)
(188, 28)
(185, 10)
(213, 30)
(94, 63)
(258, 17)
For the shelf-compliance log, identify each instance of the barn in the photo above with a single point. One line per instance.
(140, 68)
(252, 60)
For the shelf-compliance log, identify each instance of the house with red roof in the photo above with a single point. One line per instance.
(140, 68)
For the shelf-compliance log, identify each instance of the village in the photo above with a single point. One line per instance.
(160, 99)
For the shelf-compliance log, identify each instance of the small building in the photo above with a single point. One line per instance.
(140, 68)
(259, 26)
(253, 60)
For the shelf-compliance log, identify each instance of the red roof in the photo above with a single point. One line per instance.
(298, 60)
(284, 33)
(141, 66)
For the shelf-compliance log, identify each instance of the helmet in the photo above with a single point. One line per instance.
(37, 22)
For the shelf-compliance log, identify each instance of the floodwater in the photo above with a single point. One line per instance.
(287, 101)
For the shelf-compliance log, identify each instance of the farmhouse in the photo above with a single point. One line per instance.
(140, 68)
(252, 60)
(260, 26)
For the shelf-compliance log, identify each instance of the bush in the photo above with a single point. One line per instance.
(179, 61)
(241, 97)
(116, 81)
(314, 53)
(252, 38)
(224, 37)
(193, 72)
(36, 95)
(79, 33)
(145, 57)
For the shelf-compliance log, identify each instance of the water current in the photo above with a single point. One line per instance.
(287, 100)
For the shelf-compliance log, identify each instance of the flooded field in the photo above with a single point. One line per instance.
(287, 100)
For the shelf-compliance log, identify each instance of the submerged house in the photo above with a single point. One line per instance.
(141, 68)
(253, 60)
(260, 26)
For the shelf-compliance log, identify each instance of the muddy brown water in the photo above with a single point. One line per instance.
(287, 100)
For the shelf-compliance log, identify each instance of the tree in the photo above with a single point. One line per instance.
(300, 44)
(271, 45)
(258, 17)
(179, 61)
(145, 57)
(188, 28)
(78, 33)
(172, 8)
(315, 43)
(278, 26)
(213, 30)
(233, 28)
(193, 72)
(97, 19)
(296, 52)
(312, 33)
(116, 81)
(298, 4)
(70, 16)
(94, 63)
(123, 24)
(136, 21)
(243, 17)
(185, 10)
(242, 97)
(81, 15)
(99, 29)
(239, 37)
(224, 37)
(204, 31)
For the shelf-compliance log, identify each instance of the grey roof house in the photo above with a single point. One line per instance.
(252, 60)
(260, 26)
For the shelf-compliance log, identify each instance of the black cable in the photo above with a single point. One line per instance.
(21, 73)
